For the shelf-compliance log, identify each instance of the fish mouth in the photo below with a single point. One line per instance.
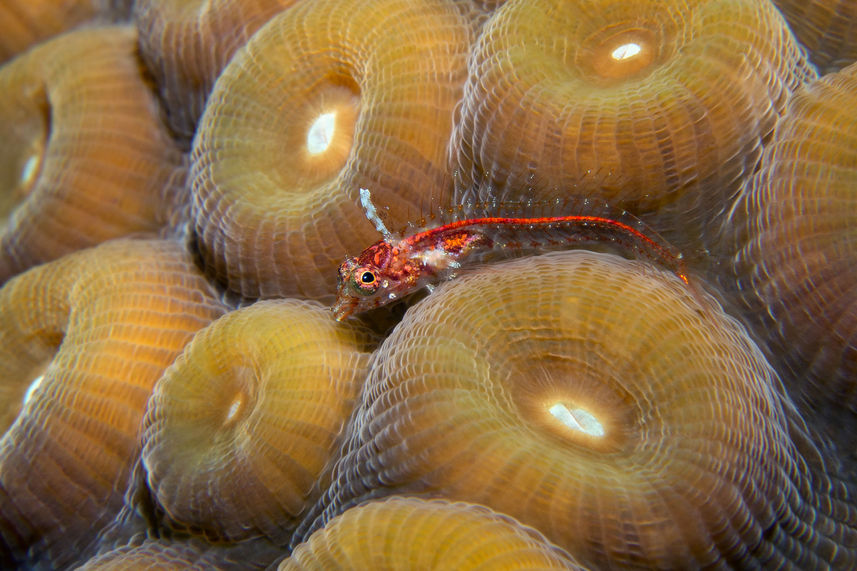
(344, 308)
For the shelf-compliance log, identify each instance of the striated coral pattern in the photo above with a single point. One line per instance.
(659, 107)
(796, 228)
(595, 399)
(156, 556)
(179, 182)
(826, 28)
(24, 23)
(187, 44)
(324, 100)
(191, 554)
(83, 340)
(404, 533)
(86, 156)
(240, 428)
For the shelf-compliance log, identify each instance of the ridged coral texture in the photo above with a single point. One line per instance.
(428, 284)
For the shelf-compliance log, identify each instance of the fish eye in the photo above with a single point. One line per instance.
(364, 281)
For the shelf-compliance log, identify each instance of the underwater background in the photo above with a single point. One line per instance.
(180, 180)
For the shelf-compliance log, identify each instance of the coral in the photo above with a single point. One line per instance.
(194, 177)
(242, 426)
(658, 107)
(600, 401)
(795, 228)
(327, 98)
(86, 157)
(410, 533)
(83, 341)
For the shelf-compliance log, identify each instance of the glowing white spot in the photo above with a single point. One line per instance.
(32, 388)
(234, 408)
(28, 173)
(577, 419)
(626, 51)
(321, 133)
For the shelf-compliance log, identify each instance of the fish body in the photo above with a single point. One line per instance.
(391, 269)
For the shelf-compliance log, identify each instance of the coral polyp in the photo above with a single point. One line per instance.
(619, 238)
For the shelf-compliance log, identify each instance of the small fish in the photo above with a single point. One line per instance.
(392, 268)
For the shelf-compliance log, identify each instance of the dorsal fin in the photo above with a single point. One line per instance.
(527, 208)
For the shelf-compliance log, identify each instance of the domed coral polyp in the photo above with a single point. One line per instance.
(187, 44)
(657, 107)
(327, 98)
(86, 157)
(795, 234)
(99, 326)
(405, 533)
(239, 429)
(488, 392)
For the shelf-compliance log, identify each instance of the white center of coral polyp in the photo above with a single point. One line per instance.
(321, 133)
(626, 51)
(577, 419)
(30, 169)
(234, 407)
(32, 388)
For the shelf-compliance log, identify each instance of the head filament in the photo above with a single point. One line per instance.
(372, 214)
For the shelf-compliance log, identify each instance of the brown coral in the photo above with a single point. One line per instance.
(403, 533)
(99, 327)
(240, 429)
(827, 28)
(24, 23)
(597, 400)
(187, 44)
(155, 556)
(797, 232)
(328, 97)
(85, 156)
(657, 107)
